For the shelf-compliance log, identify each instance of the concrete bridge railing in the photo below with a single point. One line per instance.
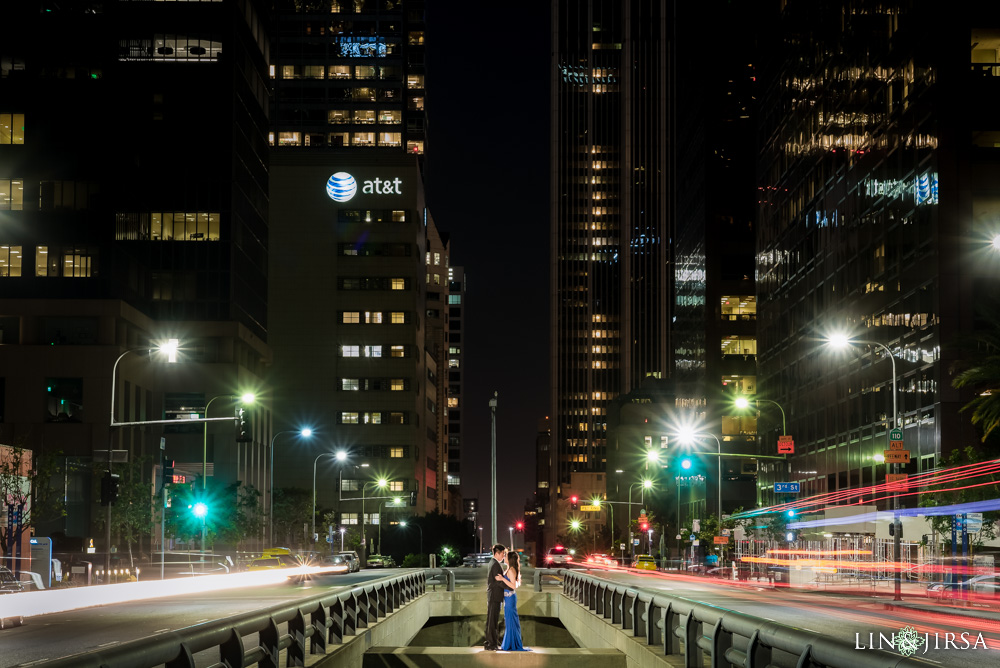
(325, 620)
(698, 632)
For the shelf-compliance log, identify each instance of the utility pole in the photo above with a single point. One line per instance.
(493, 439)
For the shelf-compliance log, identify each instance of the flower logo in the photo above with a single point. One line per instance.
(341, 187)
(908, 641)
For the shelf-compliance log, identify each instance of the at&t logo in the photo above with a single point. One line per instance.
(341, 187)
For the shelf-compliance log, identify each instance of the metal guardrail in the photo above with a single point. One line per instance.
(324, 619)
(728, 638)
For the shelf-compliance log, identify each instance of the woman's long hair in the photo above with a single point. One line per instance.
(515, 565)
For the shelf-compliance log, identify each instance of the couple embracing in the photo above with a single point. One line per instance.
(501, 586)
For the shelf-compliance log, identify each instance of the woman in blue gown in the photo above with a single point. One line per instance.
(512, 623)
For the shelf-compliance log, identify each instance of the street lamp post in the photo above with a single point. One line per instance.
(493, 472)
(396, 502)
(340, 457)
(343, 530)
(511, 537)
(842, 341)
(646, 484)
(688, 437)
(480, 539)
(170, 349)
(381, 483)
(305, 433)
(404, 524)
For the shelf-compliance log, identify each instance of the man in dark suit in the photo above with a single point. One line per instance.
(494, 596)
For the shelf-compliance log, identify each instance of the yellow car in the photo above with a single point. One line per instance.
(265, 564)
(644, 562)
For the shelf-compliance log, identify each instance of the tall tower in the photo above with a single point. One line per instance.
(610, 220)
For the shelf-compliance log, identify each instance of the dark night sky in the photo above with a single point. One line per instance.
(487, 186)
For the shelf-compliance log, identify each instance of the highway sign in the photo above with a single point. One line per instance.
(786, 488)
(896, 479)
(897, 445)
(720, 540)
(786, 445)
(896, 456)
(590, 509)
(895, 434)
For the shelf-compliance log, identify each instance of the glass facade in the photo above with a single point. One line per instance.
(610, 238)
(875, 206)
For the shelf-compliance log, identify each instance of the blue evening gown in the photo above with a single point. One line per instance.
(512, 624)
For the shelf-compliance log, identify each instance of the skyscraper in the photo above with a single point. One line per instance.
(876, 210)
(610, 220)
(370, 328)
(141, 215)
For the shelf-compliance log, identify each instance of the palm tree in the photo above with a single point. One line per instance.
(981, 373)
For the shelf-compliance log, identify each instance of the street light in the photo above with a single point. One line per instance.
(405, 523)
(397, 502)
(511, 537)
(381, 483)
(743, 402)
(842, 341)
(343, 530)
(304, 433)
(246, 399)
(316, 461)
(168, 348)
(646, 484)
(688, 436)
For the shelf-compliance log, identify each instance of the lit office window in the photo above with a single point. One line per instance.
(11, 194)
(350, 384)
(373, 351)
(398, 318)
(396, 453)
(10, 261)
(373, 317)
(398, 351)
(11, 128)
(348, 418)
(398, 284)
(352, 317)
(350, 351)
(397, 385)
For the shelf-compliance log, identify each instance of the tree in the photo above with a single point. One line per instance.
(131, 513)
(26, 484)
(934, 496)
(292, 510)
(981, 372)
(247, 517)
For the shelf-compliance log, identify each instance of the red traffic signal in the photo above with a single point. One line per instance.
(644, 526)
(519, 526)
(574, 499)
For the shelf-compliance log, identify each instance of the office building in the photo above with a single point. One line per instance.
(457, 291)
(877, 204)
(611, 279)
(350, 74)
(140, 216)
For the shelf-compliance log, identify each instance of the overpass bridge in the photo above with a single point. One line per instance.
(421, 619)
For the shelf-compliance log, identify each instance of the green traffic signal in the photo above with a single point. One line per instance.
(199, 509)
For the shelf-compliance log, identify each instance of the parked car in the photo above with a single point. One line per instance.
(477, 559)
(335, 563)
(380, 561)
(987, 586)
(558, 556)
(644, 562)
(353, 560)
(9, 583)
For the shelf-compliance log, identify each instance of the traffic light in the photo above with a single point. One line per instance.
(791, 535)
(109, 489)
(574, 502)
(243, 426)
(519, 527)
(199, 509)
(167, 471)
(643, 526)
(686, 464)
(413, 498)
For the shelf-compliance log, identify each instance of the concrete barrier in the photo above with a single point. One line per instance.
(461, 657)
